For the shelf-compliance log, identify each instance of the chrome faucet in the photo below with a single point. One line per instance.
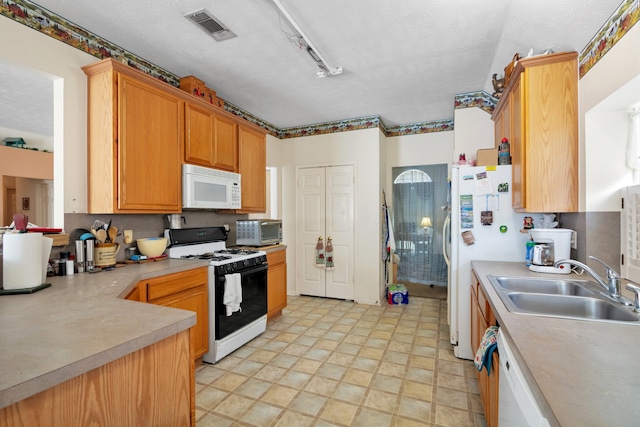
(612, 285)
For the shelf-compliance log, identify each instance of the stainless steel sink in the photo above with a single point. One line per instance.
(571, 307)
(543, 286)
(564, 298)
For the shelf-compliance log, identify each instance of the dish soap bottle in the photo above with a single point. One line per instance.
(504, 155)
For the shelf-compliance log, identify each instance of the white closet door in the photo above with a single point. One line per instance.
(311, 225)
(339, 226)
(325, 208)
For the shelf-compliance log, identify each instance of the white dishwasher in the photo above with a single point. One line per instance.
(516, 404)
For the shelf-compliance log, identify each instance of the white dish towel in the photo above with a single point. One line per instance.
(232, 293)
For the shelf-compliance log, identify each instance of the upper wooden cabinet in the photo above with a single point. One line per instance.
(211, 140)
(136, 143)
(538, 112)
(135, 137)
(252, 165)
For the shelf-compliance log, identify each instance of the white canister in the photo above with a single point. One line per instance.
(23, 260)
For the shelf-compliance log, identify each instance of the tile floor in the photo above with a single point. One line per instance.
(335, 363)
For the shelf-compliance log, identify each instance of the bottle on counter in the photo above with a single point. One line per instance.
(529, 253)
(504, 152)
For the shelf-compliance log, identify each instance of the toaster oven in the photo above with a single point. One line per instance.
(258, 232)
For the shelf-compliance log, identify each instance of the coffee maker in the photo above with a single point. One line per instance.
(551, 245)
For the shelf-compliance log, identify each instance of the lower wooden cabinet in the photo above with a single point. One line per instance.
(186, 290)
(481, 318)
(276, 283)
(153, 386)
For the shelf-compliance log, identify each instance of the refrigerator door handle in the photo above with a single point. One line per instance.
(446, 236)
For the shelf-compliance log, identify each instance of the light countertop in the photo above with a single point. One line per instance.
(80, 323)
(583, 373)
(268, 248)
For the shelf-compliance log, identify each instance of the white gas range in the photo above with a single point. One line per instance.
(237, 286)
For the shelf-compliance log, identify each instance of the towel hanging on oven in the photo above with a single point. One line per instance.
(232, 293)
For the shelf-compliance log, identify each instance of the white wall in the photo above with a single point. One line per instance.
(383, 176)
(62, 62)
(473, 130)
(414, 150)
(422, 149)
(360, 148)
(605, 93)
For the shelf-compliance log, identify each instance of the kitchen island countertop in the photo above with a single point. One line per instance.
(79, 323)
(583, 373)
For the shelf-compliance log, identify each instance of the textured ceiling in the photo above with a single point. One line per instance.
(26, 99)
(403, 61)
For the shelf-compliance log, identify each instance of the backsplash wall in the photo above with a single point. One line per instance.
(598, 235)
(144, 226)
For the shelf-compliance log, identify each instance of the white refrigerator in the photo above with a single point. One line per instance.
(480, 211)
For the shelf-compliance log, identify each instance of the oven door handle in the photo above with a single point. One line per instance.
(252, 270)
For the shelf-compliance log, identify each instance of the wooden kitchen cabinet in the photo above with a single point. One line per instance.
(276, 283)
(211, 140)
(502, 122)
(481, 318)
(538, 112)
(252, 166)
(186, 290)
(135, 139)
(153, 386)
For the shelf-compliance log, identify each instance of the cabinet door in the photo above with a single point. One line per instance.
(185, 290)
(483, 378)
(518, 151)
(475, 328)
(226, 144)
(552, 137)
(503, 123)
(193, 300)
(252, 165)
(276, 283)
(150, 135)
(199, 137)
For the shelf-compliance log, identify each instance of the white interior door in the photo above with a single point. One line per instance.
(325, 208)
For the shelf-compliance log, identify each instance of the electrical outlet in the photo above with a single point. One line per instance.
(574, 240)
(128, 236)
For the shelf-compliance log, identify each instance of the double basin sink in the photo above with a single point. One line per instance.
(564, 298)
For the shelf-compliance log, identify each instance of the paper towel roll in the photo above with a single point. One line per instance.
(22, 260)
(47, 244)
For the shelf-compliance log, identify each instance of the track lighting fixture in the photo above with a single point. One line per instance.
(325, 69)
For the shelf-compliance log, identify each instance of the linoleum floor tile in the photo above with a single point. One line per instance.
(335, 363)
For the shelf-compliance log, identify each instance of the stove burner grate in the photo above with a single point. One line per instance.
(210, 256)
(237, 251)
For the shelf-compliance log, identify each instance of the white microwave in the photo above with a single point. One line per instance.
(206, 188)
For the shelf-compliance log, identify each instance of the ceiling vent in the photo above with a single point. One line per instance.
(210, 25)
